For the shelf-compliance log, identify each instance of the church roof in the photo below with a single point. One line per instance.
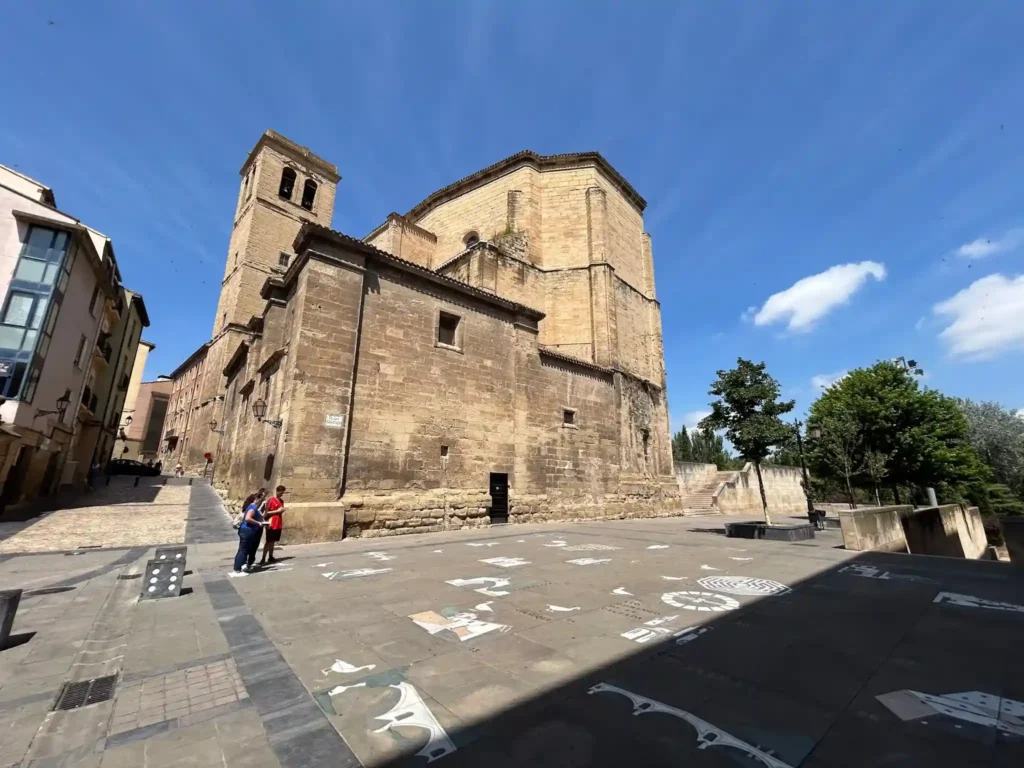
(310, 230)
(530, 159)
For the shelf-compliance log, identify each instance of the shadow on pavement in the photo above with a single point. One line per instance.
(884, 660)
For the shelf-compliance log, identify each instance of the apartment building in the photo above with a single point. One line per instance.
(65, 332)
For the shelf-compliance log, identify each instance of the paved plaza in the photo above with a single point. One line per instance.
(631, 642)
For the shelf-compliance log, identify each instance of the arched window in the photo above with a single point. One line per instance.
(287, 184)
(308, 194)
(471, 239)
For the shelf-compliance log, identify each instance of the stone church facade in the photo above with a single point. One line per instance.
(494, 354)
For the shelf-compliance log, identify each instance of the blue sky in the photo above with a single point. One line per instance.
(827, 183)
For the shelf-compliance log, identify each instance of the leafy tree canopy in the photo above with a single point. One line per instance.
(682, 450)
(890, 427)
(997, 435)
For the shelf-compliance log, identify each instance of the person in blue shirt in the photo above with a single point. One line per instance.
(249, 534)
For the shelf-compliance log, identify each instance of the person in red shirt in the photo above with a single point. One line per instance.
(273, 512)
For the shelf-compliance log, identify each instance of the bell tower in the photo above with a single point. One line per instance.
(283, 186)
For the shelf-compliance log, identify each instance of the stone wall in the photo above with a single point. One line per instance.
(782, 488)
(691, 476)
(430, 421)
(951, 530)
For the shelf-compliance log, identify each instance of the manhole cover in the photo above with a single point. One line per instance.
(48, 591)
(82, 694)
(743, 585)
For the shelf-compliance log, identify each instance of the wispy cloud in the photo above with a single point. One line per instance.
(692, 418)
(985, 319)
(808, 300)
(989, 246)
(826, 380)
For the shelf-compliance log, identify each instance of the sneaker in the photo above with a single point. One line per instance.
(246, 567)
(237, 574)
(271, 560)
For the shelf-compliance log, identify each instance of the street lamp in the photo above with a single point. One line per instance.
(62, 406)
(213, 427)
(259, 410)
(814, 432)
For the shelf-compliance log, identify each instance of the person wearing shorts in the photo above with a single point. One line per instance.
(273, 511)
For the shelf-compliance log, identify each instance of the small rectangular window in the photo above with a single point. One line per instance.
(283, 259)
(92, 301)
(448, 329)
(569, 417)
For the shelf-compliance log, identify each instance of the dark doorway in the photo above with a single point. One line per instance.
(16, 477)
(499, 497)
(46, 487)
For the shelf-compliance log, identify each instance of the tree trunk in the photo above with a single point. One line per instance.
(764, 499)
(896, 494)
(849, 494)
(878, 499)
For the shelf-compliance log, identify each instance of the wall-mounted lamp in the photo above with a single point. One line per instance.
(259, 410)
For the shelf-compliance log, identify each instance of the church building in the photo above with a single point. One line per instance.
(493, 355)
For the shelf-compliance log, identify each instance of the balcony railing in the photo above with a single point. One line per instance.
(87, 396)
(103, 349)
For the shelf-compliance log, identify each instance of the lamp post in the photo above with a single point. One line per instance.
(62, 406)
(814, 432)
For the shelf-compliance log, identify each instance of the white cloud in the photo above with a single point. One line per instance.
(808, 300)
(826, 380)
(1020, 413)
(987, 246)
(691, 418)
(985, 318)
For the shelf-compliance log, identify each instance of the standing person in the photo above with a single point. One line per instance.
(179, 471)
(273, 510)
(93, 477)
(249, 534)
(255, 498)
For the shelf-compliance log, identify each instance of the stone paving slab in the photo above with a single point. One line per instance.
(119, 516)
(568, 647)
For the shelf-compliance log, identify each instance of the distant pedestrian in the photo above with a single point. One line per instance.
(249, 534)
(159, 466)
(179, 471)
(273, 510)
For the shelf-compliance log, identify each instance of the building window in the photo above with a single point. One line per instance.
(471, 239)
(93, 300)
(80, 352)
(444, 451)
(287, 184)
(448, 329)
(568, 417)
(283, 259)
(308, 194)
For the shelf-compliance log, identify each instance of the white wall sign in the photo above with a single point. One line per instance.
(743, 585)
(708, 735)
(700, 601)
(506, 562)
(464, 626)
(334, 420)
(492, 591)
(588, 561)
(969, 601)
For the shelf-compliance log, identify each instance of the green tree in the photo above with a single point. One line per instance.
(709, 448)
(681, 448)
(997, 436)
(748, 409)
(921, 433)
(839, 450)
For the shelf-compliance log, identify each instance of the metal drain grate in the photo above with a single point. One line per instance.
(47, 591)
(75, 695)
(129, 576)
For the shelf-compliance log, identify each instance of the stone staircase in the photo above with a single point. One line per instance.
(700, 501)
